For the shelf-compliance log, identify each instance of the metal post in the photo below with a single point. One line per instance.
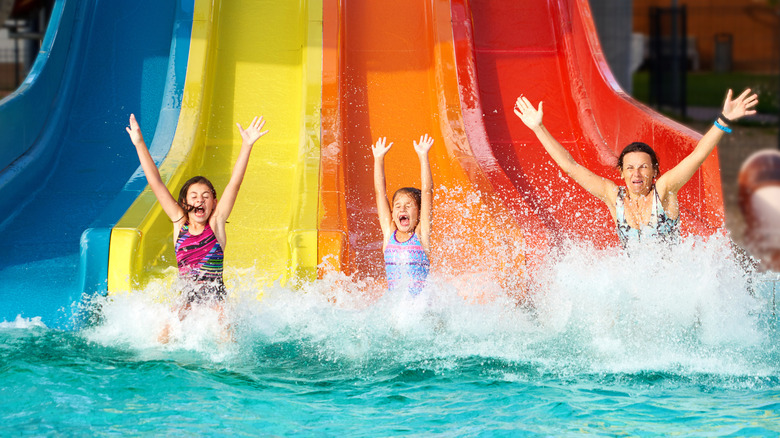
(16, 55)
(683, 59)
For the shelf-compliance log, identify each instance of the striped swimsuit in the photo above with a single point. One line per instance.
(200, 263)
(406, 262)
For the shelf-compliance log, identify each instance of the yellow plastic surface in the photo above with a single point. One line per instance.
(247, 58)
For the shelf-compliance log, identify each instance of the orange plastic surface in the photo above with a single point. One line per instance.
(453, 69)
(389, 70)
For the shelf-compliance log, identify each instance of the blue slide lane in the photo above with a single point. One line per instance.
(68, 171)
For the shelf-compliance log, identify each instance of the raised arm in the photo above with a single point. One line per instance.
(380, 190)
(673, 180)
(594, 184)
(426, 201)
(248, 138)
(164, 197)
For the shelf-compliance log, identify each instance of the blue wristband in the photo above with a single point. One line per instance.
(725, 129)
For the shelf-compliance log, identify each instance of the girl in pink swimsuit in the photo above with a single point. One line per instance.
(198, 219)
(406, 226)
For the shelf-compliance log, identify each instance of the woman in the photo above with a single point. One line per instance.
(646, 208)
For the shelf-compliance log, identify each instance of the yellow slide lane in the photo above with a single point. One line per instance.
(247, 58)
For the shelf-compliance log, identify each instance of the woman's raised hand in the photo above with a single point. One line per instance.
(742, 105)
(252, 132)
(379, 149)
(531, 116)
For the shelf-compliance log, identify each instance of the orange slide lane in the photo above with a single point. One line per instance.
(389, 70)
(549, 51)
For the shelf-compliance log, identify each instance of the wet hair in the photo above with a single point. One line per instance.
(638, 146)
(413, 192)
(186, 187)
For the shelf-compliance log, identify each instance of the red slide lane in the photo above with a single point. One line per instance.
(548, 50)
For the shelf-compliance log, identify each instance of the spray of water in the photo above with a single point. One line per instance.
(690, 308)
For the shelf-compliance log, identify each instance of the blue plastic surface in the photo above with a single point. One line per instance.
(67, 163)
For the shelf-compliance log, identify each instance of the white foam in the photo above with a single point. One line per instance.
(690, 308)
(22, 323)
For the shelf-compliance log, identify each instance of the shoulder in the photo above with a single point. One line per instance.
(424, 239)
(662, 188)
(613, 192)
(387, 238)
(180, 226)
(667, 197)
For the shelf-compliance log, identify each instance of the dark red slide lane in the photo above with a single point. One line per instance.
(549, 51)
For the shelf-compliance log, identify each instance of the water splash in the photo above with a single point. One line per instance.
(688, 309)
(23, 323)
(695, 307)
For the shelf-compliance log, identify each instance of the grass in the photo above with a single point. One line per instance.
(708, 89)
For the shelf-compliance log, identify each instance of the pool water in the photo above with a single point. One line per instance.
(682, 342)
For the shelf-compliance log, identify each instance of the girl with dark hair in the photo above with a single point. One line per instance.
(406, 225)
(646, 207)
(198, 218)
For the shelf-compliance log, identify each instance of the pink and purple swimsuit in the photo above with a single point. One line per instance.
(200, 263)
(406, 264)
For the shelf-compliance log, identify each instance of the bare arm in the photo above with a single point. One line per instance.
(380, 190)
(426, 178)
(673, 180)
(164, 197)
(594, 184)
(248, 138)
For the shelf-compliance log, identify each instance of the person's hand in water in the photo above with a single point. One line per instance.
(531, 116)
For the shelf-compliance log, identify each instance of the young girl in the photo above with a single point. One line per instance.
(406, 229)
(198, 219)
(646, 207)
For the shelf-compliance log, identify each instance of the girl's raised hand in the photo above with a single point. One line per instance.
(741, 106)
(531, 116)
(135, 131)
(379, 149)
(252, 132)
(424, 145)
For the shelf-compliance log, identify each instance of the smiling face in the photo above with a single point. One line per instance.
(202, 200)
(406, 213)
(638, 172)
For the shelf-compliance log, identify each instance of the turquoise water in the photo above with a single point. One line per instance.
(680, 343)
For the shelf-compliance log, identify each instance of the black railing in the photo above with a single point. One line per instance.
(668, 58)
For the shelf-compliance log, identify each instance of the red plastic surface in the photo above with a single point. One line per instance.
(549, 51)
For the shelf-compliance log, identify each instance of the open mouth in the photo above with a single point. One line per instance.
(403, 219)
(199, 210)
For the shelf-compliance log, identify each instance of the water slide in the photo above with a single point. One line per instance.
(549, 51)
(246, 58)
(64, 157)
(390, 71)
(453, 69)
